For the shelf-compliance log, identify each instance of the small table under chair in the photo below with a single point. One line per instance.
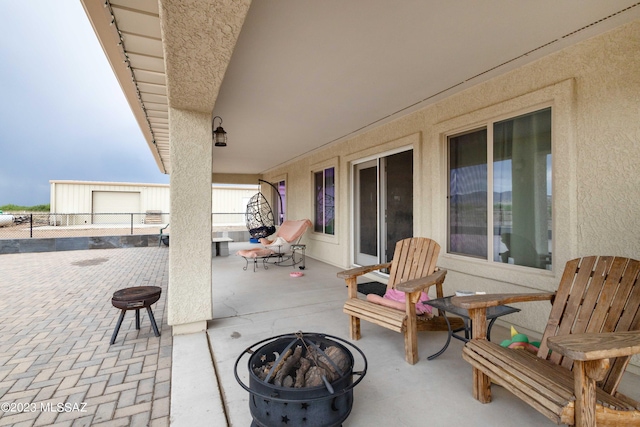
(445, 304)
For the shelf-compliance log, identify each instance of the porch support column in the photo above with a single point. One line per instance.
(189, 295)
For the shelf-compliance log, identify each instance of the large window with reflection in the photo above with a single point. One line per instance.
(324, 200)
(500, 191)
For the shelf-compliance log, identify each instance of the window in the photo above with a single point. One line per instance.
(279, 201)
(324, 189)
(500, 191)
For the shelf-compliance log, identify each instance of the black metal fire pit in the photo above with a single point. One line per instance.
(273, 405)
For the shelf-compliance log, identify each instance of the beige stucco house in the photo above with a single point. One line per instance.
(468, 123)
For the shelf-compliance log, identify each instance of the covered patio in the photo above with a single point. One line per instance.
(317, 95)
(335, 89)
(251, 307)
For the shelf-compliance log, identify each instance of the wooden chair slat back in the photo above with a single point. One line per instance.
(628, 321)
(596, 294)
(413, 258)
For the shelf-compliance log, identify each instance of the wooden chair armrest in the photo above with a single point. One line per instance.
(423, 282)
(359, 271)
(591, 354)
(596, 346)
(477, 306)
(494, 300)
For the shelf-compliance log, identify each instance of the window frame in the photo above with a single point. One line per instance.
(321, 167)
(324, 207)
(488, 127)
(277, 198)
(272, 183)
(561, 96)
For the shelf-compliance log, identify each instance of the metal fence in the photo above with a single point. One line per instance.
(47, 225)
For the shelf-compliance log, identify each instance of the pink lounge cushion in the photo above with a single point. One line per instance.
(395, 299)
(290, 230)
(255, 253)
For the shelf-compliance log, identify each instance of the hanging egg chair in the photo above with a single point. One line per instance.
(259, 217)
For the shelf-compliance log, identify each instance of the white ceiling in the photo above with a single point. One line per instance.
(305, 74)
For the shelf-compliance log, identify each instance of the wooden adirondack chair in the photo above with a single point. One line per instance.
(593, 329)
(412, 270)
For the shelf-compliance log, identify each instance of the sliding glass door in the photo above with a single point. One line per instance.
(383, 206)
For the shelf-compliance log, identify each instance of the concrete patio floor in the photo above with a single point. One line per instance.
(250, 307)
(57, 320)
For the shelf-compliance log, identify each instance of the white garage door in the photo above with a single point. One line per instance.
(115, 202)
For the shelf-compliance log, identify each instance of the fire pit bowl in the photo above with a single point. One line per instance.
(325, 405)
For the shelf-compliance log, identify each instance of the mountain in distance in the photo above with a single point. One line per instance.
(477, 196)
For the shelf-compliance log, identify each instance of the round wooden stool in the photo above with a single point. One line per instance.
(134, 299)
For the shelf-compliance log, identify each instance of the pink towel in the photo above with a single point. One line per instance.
(395, 299)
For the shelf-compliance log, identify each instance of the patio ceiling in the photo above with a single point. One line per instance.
(306, 74)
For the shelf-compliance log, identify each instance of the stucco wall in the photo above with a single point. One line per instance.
(189, 296)
(594, 91)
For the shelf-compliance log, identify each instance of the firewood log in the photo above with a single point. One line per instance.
(289, 362)
(337, 356)
(288, 381)
(262, 371)
(313, 377)
(280, 365)
(301, 372)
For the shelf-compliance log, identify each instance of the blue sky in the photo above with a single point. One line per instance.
(62, 113)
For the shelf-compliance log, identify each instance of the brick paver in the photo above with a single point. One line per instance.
(56, 319)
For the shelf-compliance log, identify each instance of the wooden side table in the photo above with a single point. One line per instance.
(136, 298)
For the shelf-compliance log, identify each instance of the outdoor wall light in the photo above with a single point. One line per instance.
(219, 135)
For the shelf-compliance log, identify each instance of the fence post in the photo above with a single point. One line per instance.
(31, 226)
(131, 224)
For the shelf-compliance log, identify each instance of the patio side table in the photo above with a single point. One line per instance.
(298, 247)
(444, 304)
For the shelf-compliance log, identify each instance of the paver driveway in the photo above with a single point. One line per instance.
(56, 320)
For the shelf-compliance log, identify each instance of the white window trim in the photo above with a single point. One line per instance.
(273, 180)
(321, 167)
(560, 97)
(276, 180)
